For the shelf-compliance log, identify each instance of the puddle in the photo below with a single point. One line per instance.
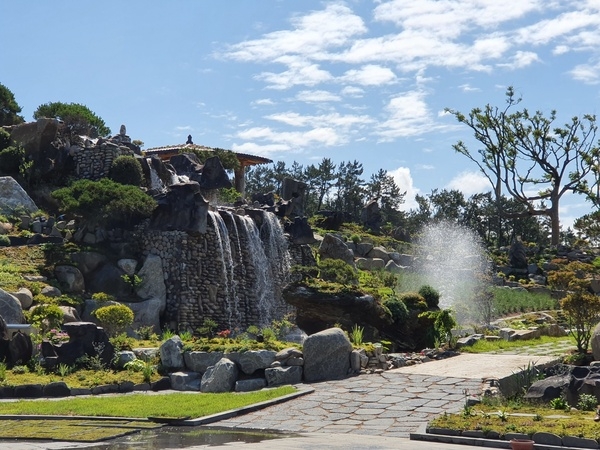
(183, 437)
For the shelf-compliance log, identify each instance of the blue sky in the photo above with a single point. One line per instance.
(365, 80)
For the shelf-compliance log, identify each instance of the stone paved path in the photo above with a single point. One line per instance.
(391, 404)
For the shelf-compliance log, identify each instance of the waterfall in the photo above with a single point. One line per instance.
(276, 248)
(263, 281)
(155, 181)
(229, 281)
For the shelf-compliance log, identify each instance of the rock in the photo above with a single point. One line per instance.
(370, 215)
(13, 196)
(295, 335)
(392, 267)
(29, 391)
(153, 281)
(171, 355)
(70, 314)
(379, 252)
(594, 341)
(56, 389)
(548, 388)
(326, 355)
(107, 278)
(370, 264)
(214, 175)
(185, 381)
(20, 348)
(315, 310)
(70, 278)
(181, 208)
(85, 339)
(146, 314)
(517, 255)
(127, 265)
(147, 354)
(123, 357)
(254, 360)
(51, 291)
(10, 308)
(24, 296)
(293, 191)
(300, 231)
(334, 248)
(201, 361)
(277, 376)
(363, 248)
(355, 361)
(286, 353)
(251, 384)
(220, 378)
(542, 438)
(88, 262)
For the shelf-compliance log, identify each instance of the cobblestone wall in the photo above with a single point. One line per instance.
(94, 162)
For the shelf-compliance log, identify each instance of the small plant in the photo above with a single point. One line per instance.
(4, 241)
(208, 327)
(186, 335)
(20, 370)
(224, 333)
(147, 372)
(2, 372)
(146, 333)
(137, 365)
(355, 238)
(63, 370)
(356, 335)
(587, 402)
(503, 416)
(45, 317)
(538, 418)
(167, 334)
(102, 297)
(467, 408)
(122, 342)
(133, 281)
(559, 403)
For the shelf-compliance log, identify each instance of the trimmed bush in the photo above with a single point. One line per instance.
(114, 318)
(414, 301)
(127, 170)
(45, 317)
(337, 271)
(398, 309)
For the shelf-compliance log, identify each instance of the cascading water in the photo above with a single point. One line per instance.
(155, 182)
(229, 280)
(263, 277)
(452, 259)
(276, 247)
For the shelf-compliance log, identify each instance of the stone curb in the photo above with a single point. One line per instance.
(302, 390)
(421, 435)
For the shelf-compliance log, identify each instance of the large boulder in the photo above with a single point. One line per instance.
(20, 348)
(10, 308)
(13, 196)
(214, 175)
(153, 281)
(595, 342)
(85, 339)
(25, 297)
(70, 278)
(185, 381)
(220, 378)
(334, 248)
(254, 360)
(201, 361)
(88, 262)
(146, 314)
(181, 208)
(326, 355)
(171, 355)
(107, 278)
(277, 376)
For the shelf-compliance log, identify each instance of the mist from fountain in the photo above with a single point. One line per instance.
(453, 260)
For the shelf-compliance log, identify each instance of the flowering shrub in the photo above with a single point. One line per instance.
(57, 337)
(224, 333)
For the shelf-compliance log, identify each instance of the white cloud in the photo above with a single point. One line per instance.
(407, 115)
(259, 150)
(404, 181)
(520, 60)
(184, 128)
(370, 75)
(470, 183)
(263, 102)
(352, 91)
(589, 74)
(299, 73)
(293, 140)
(317, 97)
(333, 120)
(468, 88)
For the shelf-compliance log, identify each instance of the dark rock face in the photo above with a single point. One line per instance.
(570, 381)
(371, 216)
(182, 208)
(187, 164)
(317, 311)
(85, 339)
(265, 199)
(330, 220)
(517, 255)
(107, 279)
(300, 231)
(214, 175)
(20, 348)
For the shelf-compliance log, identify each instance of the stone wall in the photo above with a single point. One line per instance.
(93, 162)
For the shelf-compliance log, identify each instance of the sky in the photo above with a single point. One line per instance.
(306, 80)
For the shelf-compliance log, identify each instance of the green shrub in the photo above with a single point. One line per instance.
(431, 296)
(355, 238)
(4, 241)
(114, 318)
(337, 271)
(11, 159)
(122, 342)
(127, 170)
(102, 297)
(105, 202)
(45, 317)
(413, 300)
(398, 309)
(587, 402)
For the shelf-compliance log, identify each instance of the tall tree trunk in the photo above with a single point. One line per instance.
(555, 223)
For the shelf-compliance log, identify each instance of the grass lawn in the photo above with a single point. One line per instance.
(483, 346)
(176, 405)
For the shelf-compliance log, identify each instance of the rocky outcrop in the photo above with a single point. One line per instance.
(181, 208)
(10, 308)
(317, 311)
(220, 378)
(333, 247)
